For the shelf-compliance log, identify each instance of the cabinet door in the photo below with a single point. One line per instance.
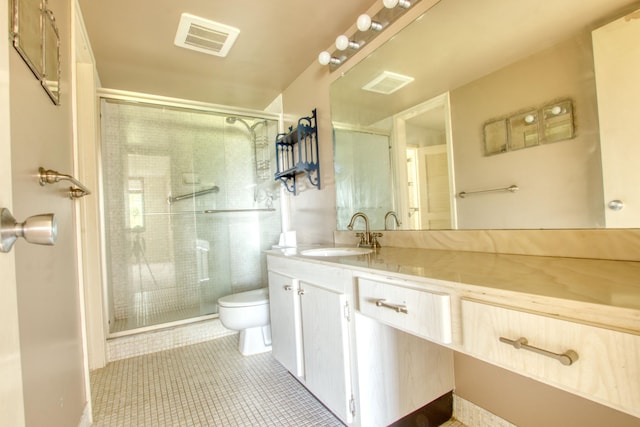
(398, 372)
(326, 348)
(286, 333)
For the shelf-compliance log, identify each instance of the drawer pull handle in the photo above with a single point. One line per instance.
(567, 358)
(288, 288)
(397, 307)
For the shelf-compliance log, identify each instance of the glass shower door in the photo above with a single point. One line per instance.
(187, 210)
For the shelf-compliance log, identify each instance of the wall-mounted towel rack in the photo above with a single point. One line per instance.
(511, 189)
(49, 176)
(195, 194)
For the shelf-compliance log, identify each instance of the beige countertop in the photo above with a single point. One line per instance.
(610, 288)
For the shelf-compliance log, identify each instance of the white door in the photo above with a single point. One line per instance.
(286, 334)
(435, 197)
(617, 61)
(326, 348)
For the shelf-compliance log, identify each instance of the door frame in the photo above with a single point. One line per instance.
(399, 148)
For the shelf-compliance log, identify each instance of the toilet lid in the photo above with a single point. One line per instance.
(243, 299)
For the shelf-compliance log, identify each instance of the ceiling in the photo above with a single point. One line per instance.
(132, 42)
(458, 41)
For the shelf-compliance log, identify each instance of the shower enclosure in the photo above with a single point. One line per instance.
(189, 204)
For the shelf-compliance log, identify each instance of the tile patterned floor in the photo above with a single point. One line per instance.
(208, 384)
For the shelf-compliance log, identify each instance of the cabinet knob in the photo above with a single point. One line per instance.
(288, 287)
(300, 292)
(615, 205)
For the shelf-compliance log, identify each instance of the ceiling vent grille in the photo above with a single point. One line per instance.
(205, 36)
(387, 83)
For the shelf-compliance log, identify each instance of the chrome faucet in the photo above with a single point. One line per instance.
(367, 239)
(393, 214)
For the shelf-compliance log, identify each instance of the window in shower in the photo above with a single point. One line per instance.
(188, 210)
(135, 205)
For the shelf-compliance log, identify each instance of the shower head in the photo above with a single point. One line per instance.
(232, 120)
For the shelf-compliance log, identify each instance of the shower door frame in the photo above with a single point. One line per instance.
(134, 97)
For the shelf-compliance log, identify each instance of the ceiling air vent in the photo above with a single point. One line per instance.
(387, 83)
(205, 36)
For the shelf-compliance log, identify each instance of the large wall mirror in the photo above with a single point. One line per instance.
(520, 115)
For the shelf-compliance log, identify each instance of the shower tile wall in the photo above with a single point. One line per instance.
(181, 258)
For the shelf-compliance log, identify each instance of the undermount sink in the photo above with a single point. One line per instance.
(335, 251)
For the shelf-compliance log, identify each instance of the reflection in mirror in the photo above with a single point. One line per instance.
(495, 137)
(493, 58)
(51, 56)
(27, 32)
(363, 175)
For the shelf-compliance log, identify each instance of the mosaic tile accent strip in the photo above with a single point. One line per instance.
(165, 339)
(475, 416)
(208, 384)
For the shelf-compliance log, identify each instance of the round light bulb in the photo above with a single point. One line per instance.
(324, 58)
(342, 42)
(529, 118)
(364, 22)
(556, 110)
(390, 4)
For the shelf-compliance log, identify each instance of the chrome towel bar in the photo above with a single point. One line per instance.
(195, 194)
(567, 358)
(49, 176)
(511, 188)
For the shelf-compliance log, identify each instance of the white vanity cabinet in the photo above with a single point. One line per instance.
(597, 363)
(399, 371)
(310, 314)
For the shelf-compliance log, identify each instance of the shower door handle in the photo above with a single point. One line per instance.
(37, 229)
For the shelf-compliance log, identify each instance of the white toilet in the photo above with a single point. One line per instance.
(248, 312)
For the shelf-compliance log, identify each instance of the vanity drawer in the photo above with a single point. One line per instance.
(607, 365)
(422, 313)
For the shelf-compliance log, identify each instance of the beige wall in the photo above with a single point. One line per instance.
(545, 174)
(529, 403)
(314, 219)
(47, 287)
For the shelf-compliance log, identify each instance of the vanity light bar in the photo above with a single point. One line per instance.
(368, 28)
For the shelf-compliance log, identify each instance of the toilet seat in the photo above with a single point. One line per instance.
(245, 299)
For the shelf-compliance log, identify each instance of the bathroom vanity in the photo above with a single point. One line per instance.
(372, 335)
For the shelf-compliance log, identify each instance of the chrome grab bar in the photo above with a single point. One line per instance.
(213, 189)
(511, 189)
(567, 358)
(397, 307)
(49, 176)
(211, 211)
